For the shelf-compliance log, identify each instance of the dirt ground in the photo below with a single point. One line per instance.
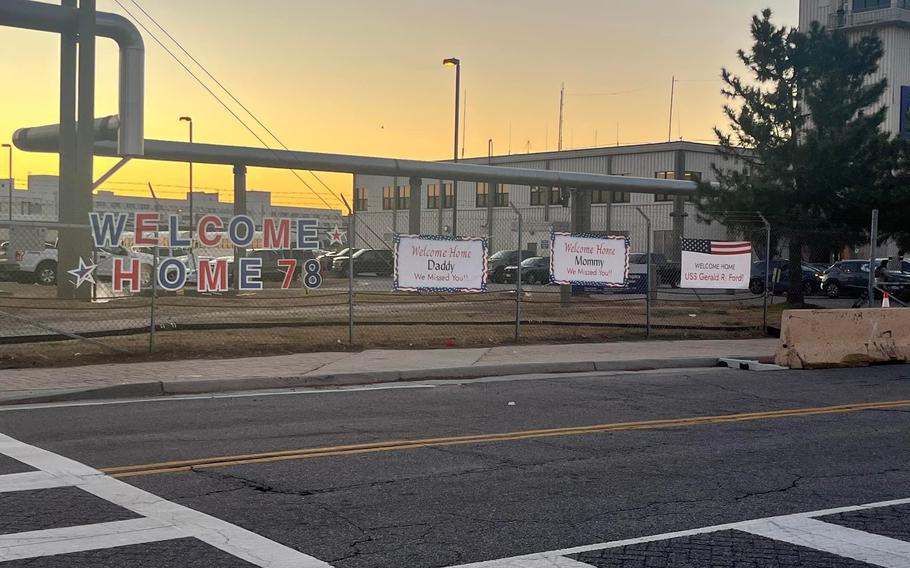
(279, 322)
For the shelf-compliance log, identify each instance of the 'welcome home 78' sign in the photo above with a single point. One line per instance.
(211, 274)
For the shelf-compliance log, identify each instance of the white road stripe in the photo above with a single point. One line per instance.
(30, 481)
(835, 539)
(540, 559)
(67, 540)
(536, 561)
(230, 538)
(216, 396)
(162, 519)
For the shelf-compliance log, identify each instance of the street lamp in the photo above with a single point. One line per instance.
(189, 120)
(10, 188)
(456, 63)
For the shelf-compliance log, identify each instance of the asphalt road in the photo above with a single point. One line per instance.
(444, 474)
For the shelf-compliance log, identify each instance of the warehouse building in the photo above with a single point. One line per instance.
(383, 203)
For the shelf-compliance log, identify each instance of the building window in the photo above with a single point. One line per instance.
(546, 196)
(432, 196)
(689, 176)
(556, 196)
(404, 197)
(600, 196)
(865, 5)
(448, 196)
(361, 203)
(482, 193)
(501, 198)
(388, 198)
(622, 197)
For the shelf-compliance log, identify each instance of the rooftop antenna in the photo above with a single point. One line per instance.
(562, 95)
(464, 121)
(672, 96)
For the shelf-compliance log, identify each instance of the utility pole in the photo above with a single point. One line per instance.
(562, 95)
(672, 96)
(464, 121)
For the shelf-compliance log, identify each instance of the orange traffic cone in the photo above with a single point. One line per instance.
(886, 300)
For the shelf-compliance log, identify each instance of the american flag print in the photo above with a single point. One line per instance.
(726, 248)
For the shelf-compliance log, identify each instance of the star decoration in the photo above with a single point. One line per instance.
(336, 236)
(85, 273)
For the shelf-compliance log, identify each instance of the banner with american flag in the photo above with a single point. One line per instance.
(724, 265)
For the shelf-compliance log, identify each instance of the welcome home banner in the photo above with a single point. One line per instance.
(589, 259)
(440, 263)
(719, 265)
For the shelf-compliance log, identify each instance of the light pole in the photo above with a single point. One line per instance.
(456, 63)
(189, 120)
(10, 188)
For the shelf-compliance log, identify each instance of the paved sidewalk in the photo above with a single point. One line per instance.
(375, 365)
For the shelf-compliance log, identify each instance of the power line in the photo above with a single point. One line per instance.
(231, 95)
(234, 114)
(213, 94)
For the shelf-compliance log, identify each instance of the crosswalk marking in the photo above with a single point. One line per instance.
(30, 481)
(67, 540)
(835, 539)
(876, 549)
(160, 519)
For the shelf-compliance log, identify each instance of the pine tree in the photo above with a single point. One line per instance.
(808, 150)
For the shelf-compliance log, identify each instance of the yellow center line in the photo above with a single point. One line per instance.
(398, 445)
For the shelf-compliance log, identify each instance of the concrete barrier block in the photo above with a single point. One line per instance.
(813, 339)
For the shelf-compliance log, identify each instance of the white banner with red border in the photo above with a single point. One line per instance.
(589, 259)
(718, 265)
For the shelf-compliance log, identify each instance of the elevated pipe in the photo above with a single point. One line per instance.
(261, 157)
(59, 19)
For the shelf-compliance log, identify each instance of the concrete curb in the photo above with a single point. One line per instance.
(316, 380)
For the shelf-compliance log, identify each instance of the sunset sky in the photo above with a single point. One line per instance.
(365, 77)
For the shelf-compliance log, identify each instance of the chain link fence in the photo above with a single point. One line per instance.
(359, 307)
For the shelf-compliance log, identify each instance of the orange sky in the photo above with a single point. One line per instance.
(365, 77)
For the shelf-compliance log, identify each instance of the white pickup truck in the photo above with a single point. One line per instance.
(41, 266)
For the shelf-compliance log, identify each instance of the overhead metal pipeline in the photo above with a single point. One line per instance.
(50, 18)
(44, 139)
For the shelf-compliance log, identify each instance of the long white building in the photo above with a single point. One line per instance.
(890, 21)
(383, 203)
(39, 202)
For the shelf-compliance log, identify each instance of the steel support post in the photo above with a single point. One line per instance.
(239, 209)
(66, 250)
(414, 206)
(873, 244)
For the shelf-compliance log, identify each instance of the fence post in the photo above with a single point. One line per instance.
(518, 276)
(416, 184)
(873, 242)
(239, 209)
(648, 279)
(154, 275)
(352, 218)
(769, 286)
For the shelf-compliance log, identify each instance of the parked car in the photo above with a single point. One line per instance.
(502, 259)
(758, 279)
(665, 271)
(8, 266)
(270, 267)
(846, 278)
(534, 270)
(37, 265)
(325, 260)
(366, 261)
